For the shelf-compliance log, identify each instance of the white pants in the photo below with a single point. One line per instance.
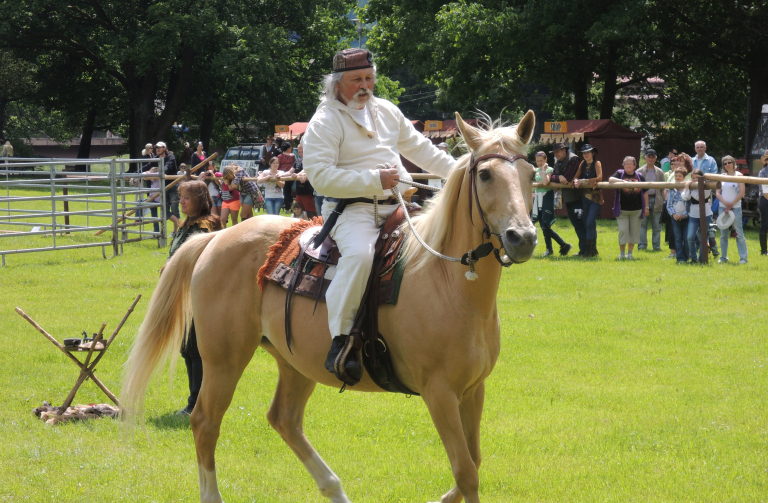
(355, 234)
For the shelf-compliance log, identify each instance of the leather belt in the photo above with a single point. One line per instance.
(389, 200)
(340, 205)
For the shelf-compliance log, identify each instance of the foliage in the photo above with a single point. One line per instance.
(573, 59)
(388, 89)
(696, 104)
(256, 64)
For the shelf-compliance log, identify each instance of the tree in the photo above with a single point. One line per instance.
(729, 42)
(491, 54)
(16, 83)
(155, 51)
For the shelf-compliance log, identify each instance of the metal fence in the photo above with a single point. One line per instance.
(44, 206)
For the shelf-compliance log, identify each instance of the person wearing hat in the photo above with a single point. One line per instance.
(729, 194)
(564, 171)
(656, 202)
(764, 206)
(589, 175)
(267, 152)
(352, 133)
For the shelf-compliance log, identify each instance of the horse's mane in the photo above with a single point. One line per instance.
(435, 224)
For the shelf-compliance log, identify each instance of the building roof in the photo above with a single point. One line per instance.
(296, 130)
(450, 129)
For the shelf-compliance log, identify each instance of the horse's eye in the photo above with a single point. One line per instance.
(485, 175)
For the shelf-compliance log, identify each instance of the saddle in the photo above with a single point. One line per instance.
(294, 264)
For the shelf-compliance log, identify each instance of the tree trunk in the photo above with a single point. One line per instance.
(581, 99)
(758, 96)
(178, 90)
(610, 85)
(84, 150)
(141, 115)
(143, 125)
(206, 128)
(3, 104)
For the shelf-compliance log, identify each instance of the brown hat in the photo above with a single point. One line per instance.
(352, 59)
(557, 146)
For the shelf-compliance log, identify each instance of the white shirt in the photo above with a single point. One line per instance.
(730, 191)
(694, 211)
(363, 117)
(341, 154)
(272, 190)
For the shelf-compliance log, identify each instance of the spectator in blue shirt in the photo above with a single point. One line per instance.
(702, 161)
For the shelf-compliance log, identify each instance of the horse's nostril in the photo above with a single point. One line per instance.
(514, 238)
(518, 238)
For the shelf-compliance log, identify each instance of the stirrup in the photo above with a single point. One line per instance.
(345, 367)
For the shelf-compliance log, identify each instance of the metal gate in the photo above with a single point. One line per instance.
(44, 206)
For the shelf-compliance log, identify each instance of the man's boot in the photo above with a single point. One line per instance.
(763, 243)
(340, 359)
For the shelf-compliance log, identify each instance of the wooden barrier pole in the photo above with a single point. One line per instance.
(737, 179)
(170, 185)
(630, 185)
(703, 222)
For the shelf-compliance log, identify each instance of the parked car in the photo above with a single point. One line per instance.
(246, 155)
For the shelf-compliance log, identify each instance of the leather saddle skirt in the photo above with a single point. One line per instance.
(318, 265)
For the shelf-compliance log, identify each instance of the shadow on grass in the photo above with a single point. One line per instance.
(170, 421)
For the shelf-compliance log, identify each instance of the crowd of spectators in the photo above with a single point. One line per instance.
(637, 209)
(282, 185)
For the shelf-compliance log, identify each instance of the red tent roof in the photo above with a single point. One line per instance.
(601, 128)
(296, 129)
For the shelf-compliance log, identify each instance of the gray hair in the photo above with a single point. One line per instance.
(702, 142)
(629, 158)
(728, 158)
(330, 82)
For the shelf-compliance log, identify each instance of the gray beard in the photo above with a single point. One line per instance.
(353, 104)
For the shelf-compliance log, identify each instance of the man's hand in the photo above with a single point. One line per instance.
(563, 180)
(389, 178)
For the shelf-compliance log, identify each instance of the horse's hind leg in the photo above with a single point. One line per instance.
(459, 428)
(222, 371)
(286, 415)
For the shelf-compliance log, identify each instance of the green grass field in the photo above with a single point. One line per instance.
(617, 381)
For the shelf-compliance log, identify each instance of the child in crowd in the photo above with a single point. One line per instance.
(213, 178)
(678, 217)
(298, 211)
(249, 191)
(694, 213)
(230, 197)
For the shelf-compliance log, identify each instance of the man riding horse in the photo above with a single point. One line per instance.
(350, 136)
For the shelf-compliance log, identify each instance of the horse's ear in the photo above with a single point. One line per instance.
(471, 135)
(525, 128)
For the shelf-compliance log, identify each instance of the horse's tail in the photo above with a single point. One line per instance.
(163, 329)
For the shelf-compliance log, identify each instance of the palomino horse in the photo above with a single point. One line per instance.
(444, 355)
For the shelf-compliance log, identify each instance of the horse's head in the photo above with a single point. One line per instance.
(503, 187)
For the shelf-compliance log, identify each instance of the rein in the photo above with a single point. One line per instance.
(486, 247)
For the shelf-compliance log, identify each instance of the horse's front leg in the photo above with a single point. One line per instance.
(458, 424)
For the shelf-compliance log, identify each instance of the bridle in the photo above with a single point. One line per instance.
(486, 247)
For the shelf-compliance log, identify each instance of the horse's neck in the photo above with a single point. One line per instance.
(481, 293)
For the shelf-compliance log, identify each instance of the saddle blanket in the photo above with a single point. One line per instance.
(319, 265)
